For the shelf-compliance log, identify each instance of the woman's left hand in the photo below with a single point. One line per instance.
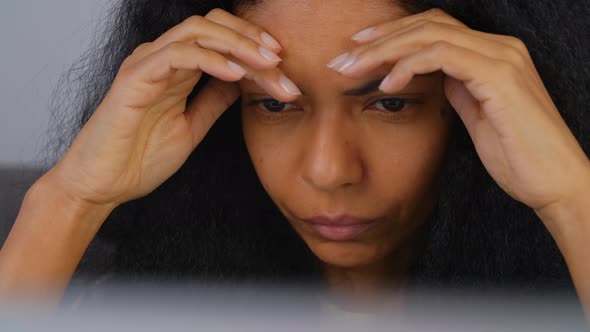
(492, 83)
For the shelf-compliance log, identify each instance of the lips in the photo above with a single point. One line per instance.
(340, 228)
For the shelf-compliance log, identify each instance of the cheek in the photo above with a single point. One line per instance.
(400, 160)
(270, 151)
(404, 160)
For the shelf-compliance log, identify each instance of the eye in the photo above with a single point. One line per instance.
(392, 105)
(396, 109)
(272, 105)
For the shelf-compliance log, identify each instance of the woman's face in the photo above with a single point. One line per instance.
(343, 153)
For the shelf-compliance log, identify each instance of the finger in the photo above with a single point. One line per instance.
(183, 56)
(216, 97)
(419, 35)
(244, 27)
(379, 33)
(273, 81)
(385, 35)
(152, 72)
(466, 67)
(278, 85)
(491, 82)
(440, 29)
(432, 15)
(463, 102)
(216, 37)
(376, 54)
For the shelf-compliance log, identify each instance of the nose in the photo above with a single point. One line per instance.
(332, 159)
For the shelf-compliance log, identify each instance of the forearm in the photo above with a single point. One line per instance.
(569, 224)
(47, 241)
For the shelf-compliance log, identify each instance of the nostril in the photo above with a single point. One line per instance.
(329, 174)
(332, 160)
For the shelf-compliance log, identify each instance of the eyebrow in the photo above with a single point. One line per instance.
(365, 89)
(373, 86)
(368, 87)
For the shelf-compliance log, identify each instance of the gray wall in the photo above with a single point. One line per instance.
(39, 39)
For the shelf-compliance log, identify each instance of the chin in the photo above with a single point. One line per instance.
(347, 254)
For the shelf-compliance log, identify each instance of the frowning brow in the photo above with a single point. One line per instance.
(365, 89)
(373, 86)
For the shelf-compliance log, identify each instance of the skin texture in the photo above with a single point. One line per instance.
(518, 133)
(327, 153)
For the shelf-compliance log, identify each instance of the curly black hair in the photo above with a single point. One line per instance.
(212, 220)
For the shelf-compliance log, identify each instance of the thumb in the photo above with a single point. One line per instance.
(216, 97)
(462, 101)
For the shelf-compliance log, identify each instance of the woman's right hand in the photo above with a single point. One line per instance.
(143, 131)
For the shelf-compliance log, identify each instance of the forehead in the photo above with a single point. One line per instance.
(319, 29)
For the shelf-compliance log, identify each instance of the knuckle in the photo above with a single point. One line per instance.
(128, 62)
(124, 65)
(216, 13)
(253, 30)
(194, 20)
(241, 39)
(517, 43)
(440, 47)
(141, 48)
(241, 44)
(125, 72)
(402, 64)
(514, 56)
(368, 53)
(435, 12)
(506, 69)
(174, 47)
(420, 23)
(430, 27)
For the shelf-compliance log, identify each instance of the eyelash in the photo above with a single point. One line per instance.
(391, 115)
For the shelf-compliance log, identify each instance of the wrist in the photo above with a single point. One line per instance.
(49, 237)
(568, 220)
(48, 194)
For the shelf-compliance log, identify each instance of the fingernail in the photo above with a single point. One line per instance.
(288, 85)
(336, 62)
(365, 34)
(236, 68)
(270, 41)
(385, 83)
(268, 54)
(350, 60)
